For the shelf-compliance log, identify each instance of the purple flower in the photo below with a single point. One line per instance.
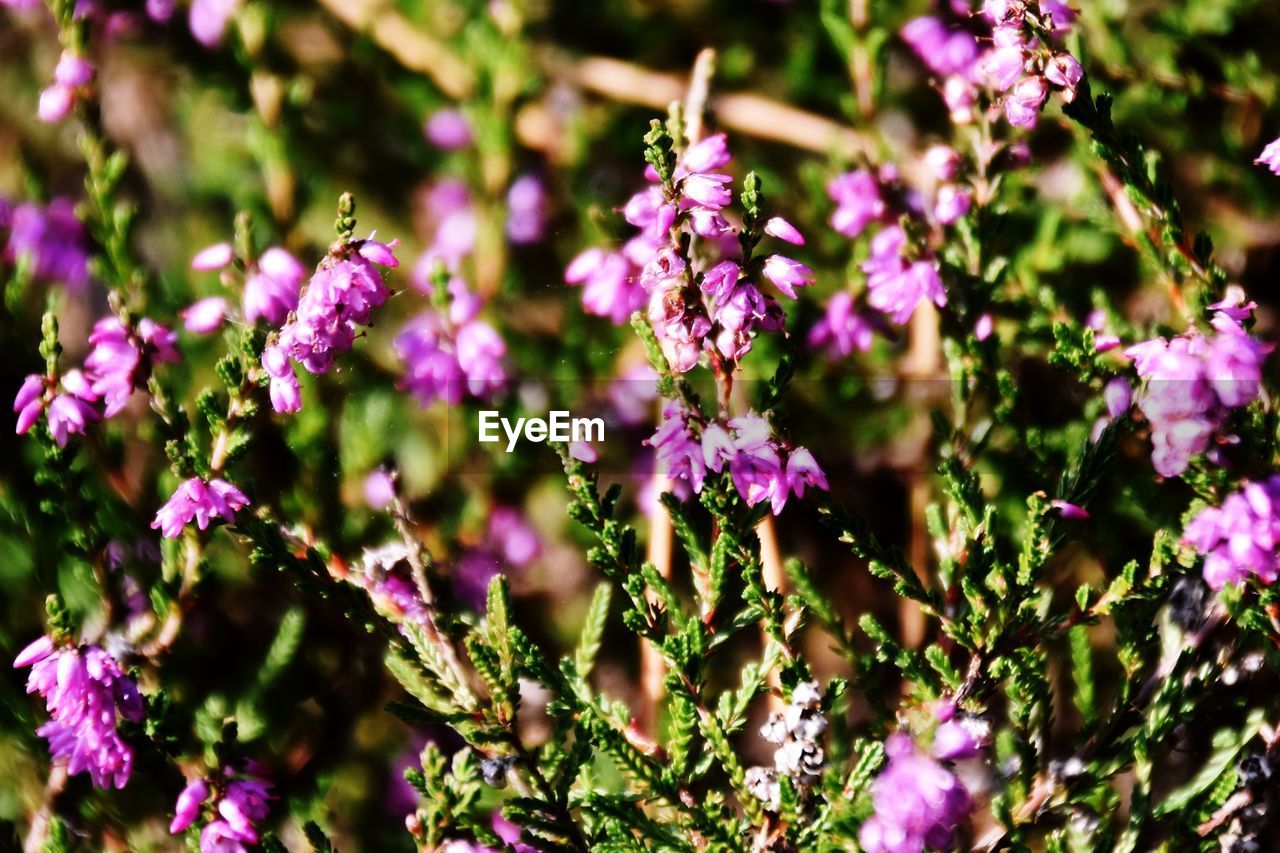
(1065, 72)
(858, 202)
(208, 20)
(1023, 104)
(512, 537)
(73, 71)
(69, 415)
(802, 471)
(448, 129)
(85, 693)
(30, 403)
(1240, 538)
(787, 274)
(895, 286)
(1005, 65)
(610, 287)
(783, 230)
(720, 280)
(952, 204)
(1270, 157)
(1070, 511)
(205, 315)
(188, 806)
(213, 257)
(526, 210)
(122, 358)
(961, 97)
(1118, 395)
(943, 162)
(944, 51)
(339, 299)
(918, 803)
(379, 488)
(705, 155)
(243, 804)
(841, 329)
(200, 500)
(52, 240)
(960, 737)
(272, 285)
(706, 189)
(674, 444)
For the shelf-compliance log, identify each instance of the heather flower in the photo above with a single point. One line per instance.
(610, 285)
(52, 240)
(448, 129)
(451, 219)
(961, 97)
(802, 470)
(952, 204)
(379, 488)
(204, 315)
(896, 286)
(1270, 157)
(208, 20)
(944, 50)
(69, 415)
(30, 403)
(241, 804)
(445, 355)
(188, 806)
(783, 230)
(201, 500)
(526, 210)
(918, 803)
(122, 358)
(959, 737)
(85, 693)
(1023, 104)
(1065, 72)
(213, 257)
(796, 730)
(271, 287)
(338, 300)
(858, 202)
(842, 329)
(674, 444)
(1004, 66)
(1118, 395)
(943, 162)
(787, 274)
(1192, 383)
(720, 280)
(1240, 538)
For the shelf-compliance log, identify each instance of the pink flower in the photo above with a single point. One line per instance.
(213, 257)
(271, 287)
(56, 103)
(610, 287)
(858, 202)
(918, 803)
(73, 71)
(200, 500)
(209, 19)
(1022, 105)
(783, 230)
(526, 210)
(787, 274)
(842, 329)
(943, 162)
(448, 129)
(1065, 72)
(896, 286)
(952, 204)
(1270, 157)
(29, 404)
(188, 806)
(204, 315)
(379, 488)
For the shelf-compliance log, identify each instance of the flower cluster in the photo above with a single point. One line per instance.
(271, 286)
(1240, 538)
(338, 300)
(86, 693)
(120, 361)
(449, 352)
(1016, 63)
(1194, 381)
(199, 499)
(49, 238)
(797, 731)
(241, 801)
(760, 467)
(918, 801)
(526, 210)
(712, 303)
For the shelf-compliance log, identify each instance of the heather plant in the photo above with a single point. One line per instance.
(918, 483)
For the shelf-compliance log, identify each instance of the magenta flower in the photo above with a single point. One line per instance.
(188, 806)
(448, 129)
(787, 274)
(1270, 157)
(842, 329)
(85, 693)
(610, 286)
(447, 355)
(1118, 395)
(213, 257)
(200, 500)
(1239, 539)
(858, 202)
(943, 162)
(52, 240)
(783, 230)
(339, 299)
(271, 287)
(205, 315)
(674, 444)
(30, 403)
(1005, 65)
(1022, 105)
(896, 286)
(944, 50)
(122, 358)
(209, 19)
(1065, 72)
(918, 803)
(526, 210)
(952, 204)
(379, 488)
(720, 280)
(802, 471)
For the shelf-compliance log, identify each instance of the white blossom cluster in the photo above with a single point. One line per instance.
(796, 730)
